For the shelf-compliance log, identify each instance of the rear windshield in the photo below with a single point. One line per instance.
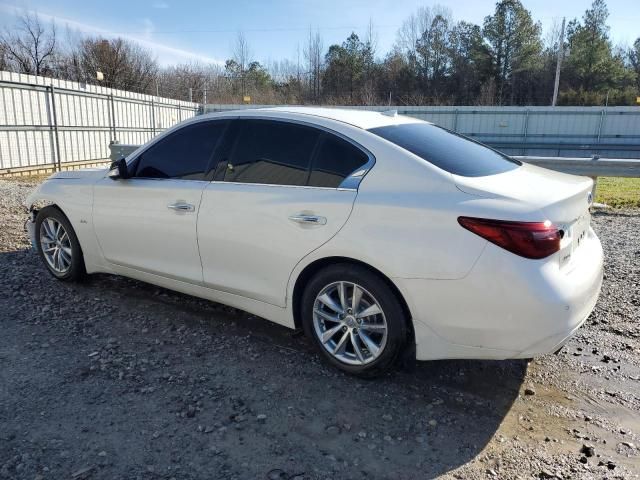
(447, 150)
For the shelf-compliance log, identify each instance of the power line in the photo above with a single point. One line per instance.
(246, 30)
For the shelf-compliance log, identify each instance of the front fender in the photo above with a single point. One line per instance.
(74, 197)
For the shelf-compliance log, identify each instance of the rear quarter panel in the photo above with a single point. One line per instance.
(404, 220)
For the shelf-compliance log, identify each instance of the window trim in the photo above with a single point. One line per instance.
(350, 182)
(170, 131)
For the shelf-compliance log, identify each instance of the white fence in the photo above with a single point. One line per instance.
(49, 122)
(55, 123)
(612, 132)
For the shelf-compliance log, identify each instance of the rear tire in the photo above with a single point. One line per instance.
(58, 245)
(354, 319)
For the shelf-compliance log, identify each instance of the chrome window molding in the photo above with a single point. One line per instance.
(351, 182)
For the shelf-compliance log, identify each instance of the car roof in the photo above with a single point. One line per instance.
(360, 118)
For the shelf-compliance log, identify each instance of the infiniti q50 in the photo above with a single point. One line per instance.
(379, 235)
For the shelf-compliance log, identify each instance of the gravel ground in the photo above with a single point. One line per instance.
(116, 379)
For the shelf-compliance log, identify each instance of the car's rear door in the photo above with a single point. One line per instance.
(148, 222)
(277, 198)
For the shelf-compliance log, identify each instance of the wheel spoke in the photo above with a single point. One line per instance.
(326, 316)
(356, 346)
(65, 257)
(48, 230)
(329, 302)
(370, 344)
(328, 335)
(355, 299)
(59, 232)
(56, 259)
(342, 293)
(340, 346)
(373, 327)
(369, 311)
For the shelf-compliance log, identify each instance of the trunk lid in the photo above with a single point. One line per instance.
(561, 198)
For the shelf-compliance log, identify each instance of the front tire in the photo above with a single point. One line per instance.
(355, 319)
(58, 245)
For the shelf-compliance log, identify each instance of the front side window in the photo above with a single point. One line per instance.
(447, 150)
(277, 153)
(184, 155)
(335, 160)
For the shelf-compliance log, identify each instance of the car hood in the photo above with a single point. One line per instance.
(78, 174)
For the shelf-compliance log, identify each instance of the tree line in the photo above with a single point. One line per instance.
(435, 60)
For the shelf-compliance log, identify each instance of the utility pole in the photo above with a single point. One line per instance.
(558, 64)
(190, 94)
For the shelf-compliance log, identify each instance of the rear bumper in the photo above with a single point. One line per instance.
(506, 307)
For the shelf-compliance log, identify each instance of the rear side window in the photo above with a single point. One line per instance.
(184, 154)
(447, 150)
(335, 160)
(277, 153)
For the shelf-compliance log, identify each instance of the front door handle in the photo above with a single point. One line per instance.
(181, 207)
(308, 219)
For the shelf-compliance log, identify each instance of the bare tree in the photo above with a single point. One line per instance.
(31, 46)
(313, 56)
(4, 63)
(125, 65)
(242, 58)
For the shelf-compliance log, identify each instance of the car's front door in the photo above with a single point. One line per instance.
(278, 201)
(148, 222)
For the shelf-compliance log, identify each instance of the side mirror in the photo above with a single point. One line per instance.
(118, 169)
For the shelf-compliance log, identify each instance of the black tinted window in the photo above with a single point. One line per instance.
(335, 160)
(449, 151)
(272, 152)
(183, 155)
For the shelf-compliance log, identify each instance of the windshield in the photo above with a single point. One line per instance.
(447, 150)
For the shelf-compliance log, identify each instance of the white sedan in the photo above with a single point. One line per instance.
(380, 235)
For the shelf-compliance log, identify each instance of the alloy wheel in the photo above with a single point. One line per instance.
(350, 323)
(56, 245)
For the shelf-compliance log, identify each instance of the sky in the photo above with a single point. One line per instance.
(184, 31)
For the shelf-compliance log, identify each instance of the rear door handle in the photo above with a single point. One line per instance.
(308, 219)
(181, 207)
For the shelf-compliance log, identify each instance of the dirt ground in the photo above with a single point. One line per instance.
(116, 379)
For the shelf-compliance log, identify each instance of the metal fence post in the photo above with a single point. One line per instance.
(602, 114)
(55, 126)
(525, 128)
(50, 125)
(113, 118)
(153, 119)
(455, 121)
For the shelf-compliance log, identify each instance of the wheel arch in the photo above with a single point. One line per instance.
(40, 205)
(310, 270)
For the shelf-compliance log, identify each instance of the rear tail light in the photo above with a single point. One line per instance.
(528, 239)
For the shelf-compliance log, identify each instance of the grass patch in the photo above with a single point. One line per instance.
(618, 192)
